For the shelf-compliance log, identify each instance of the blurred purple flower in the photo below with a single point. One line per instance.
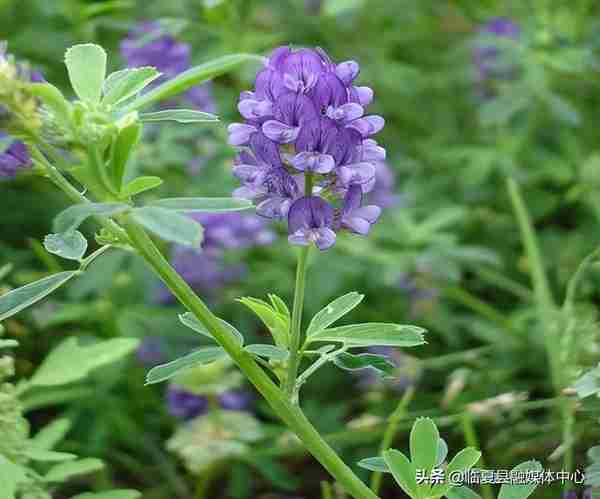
(185, 405)
(149, 44)
(14, 157)
(383, 193)
(487, 57)
(151, 351)
(206, 270)
(417, 293)
(306, 117)
(573, 494)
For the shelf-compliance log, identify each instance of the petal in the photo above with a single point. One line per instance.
(347, 71)
(300, 238)
(325, 238)
(294, 109)
(370, 213)
(280, 132)
(324, 164)
(239, 134)
(352, 199)
(255, 109)
(265, 150)
(371, 151)
(329, 91)
(357, 173)
(357, 225)
(364, 95)
(369, 125)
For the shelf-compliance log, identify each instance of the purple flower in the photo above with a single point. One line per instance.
(306, 117)
(151, 351)
(311, 220)
(14, 156)
(235, 400)
(383, 193)
(149, 44)
(185, 405)
(487, 58)
(572, 494)
(357, 218)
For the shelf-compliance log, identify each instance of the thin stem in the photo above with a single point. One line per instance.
(390, 433)
(320, 362)
(296, 328)
(286, 410)
(472, 441)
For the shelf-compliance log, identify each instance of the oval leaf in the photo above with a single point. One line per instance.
(206, 205)
(71, 245)
(71, 218)
(512, 491)
(23, 297)
(377, 363)
(373, 333)
(121, 85)
(424, 441)
(179, 115)
(332, 312)
(169, 225)
(403, 471)
(199, 357)
(86, 64)
(374, 464)
(269, 351)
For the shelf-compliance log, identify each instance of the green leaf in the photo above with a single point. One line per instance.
(140, 184)
(125, 143)
(269, 351)
(70, 361)
(205, 205)
(277, 324)
(48, 456)
(377, 363)
(169, 225)
(71, 245)
(403, 471)
(64, 471)
(179, 115)
(54, 101)
(188, 319)
(442, 452)
(199, 357)
(21, 298)
(512, 491)
(280, 306)
(593, 453)
(86, 64)
(50, 435)
(464, 460)
(373, 333)
(71, 218)
(113, 494)
(588, 384)
(121, 85)
(188, 79)
(10, 476)
(424, 441)
(462, 493)
(332, 312)
(374, 464)
(8, 343)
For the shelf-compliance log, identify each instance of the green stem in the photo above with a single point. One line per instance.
(296, 328)
(472, 441)
(390, 433)
(283, 407)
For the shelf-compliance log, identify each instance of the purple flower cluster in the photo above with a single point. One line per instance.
(307, 153)
(187, 405)
(14, 157)
(148, 44)
(486, 57)
(206, 270)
